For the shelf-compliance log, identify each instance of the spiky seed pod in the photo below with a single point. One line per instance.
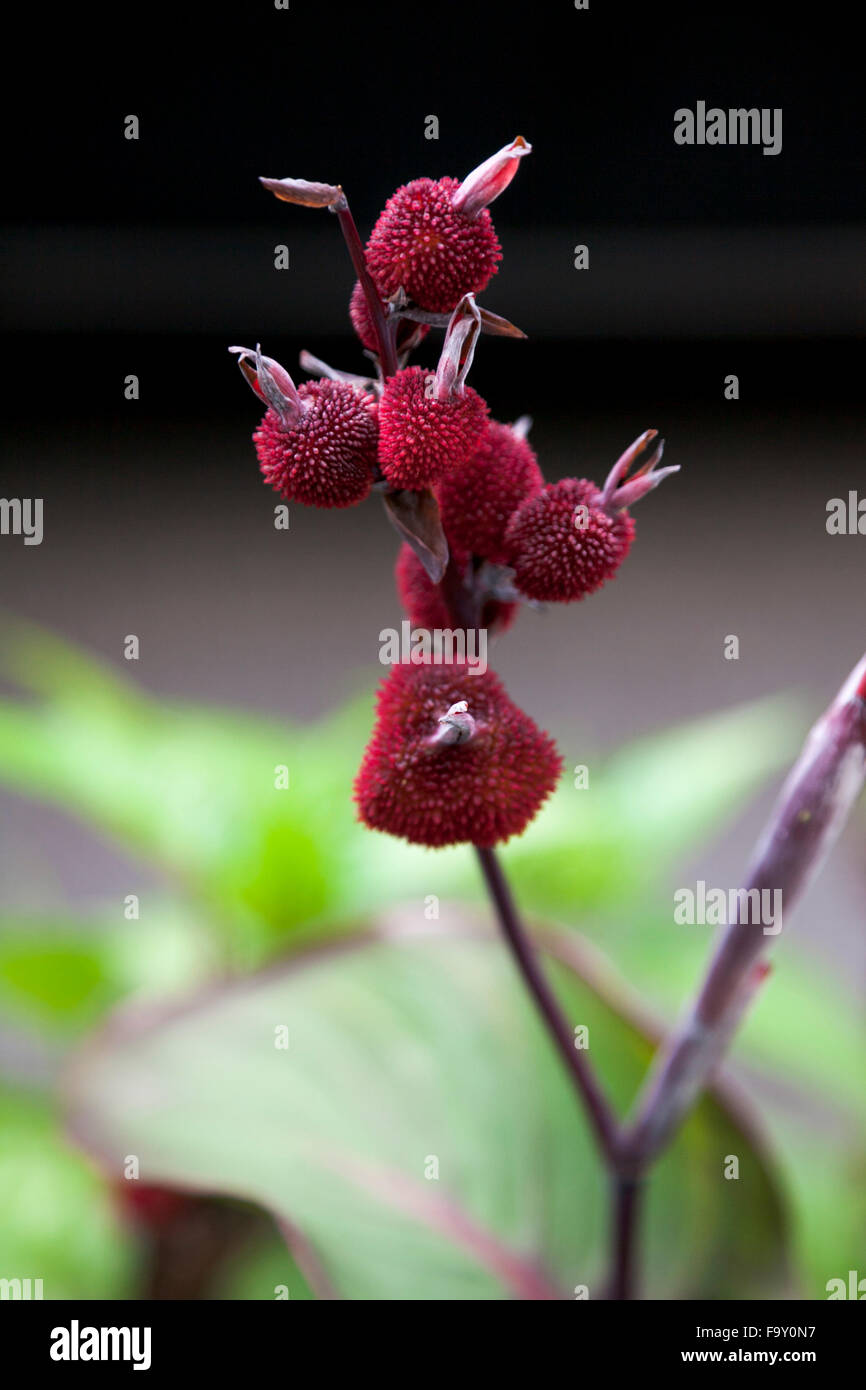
(476, 502)
(362, 323)
(434, 252)
(422, 435)
(438, 776)
(326, 454)
(409, 334)
(422, 599)
(563, 544)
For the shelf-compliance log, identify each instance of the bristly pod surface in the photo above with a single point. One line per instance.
(570, 538)
(478, 500)
(435, 775)
(422, 436)
(563, 545)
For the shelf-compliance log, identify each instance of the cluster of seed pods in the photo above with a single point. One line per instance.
(451, 758)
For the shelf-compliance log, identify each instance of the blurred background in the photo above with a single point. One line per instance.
(150, 257)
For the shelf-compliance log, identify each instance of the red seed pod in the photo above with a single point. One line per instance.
(563, 544)
(324, 455)
(452, 760)
(476, 502)
(423, 435)
(435, 253)
(423, 601)
(362, 323)
(409, 334)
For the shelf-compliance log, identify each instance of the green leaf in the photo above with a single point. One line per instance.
(50, 974)
(61, 975)
(57, 1220)
(195, 791)
(409, 1057)
(265, 1271)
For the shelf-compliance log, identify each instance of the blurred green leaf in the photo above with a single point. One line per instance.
(61, 975)
(51, 975)
(407, 1056)
(193, 790)
(57, 1220)
(266, 1271)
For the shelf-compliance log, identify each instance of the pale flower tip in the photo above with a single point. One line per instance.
(635, 488)
(248, 371)
(270, 382)
(491, 178)
(611, 492)
(621, 490)
(303, 192)
(458, 349)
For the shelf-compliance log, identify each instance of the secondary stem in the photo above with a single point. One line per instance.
(383, 329)
(812, 808)
(598, 1111)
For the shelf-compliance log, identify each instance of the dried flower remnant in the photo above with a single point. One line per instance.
(316, 443)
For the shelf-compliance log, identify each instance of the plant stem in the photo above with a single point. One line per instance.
(626, 1203)
(812, 808)
(383, 329)
(599, 1113)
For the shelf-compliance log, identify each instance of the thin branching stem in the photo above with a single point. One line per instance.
(598, 1111)
(384, 329)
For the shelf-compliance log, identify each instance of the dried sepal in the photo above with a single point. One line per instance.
(316, 367)
(415, 516)
(458, 349)
(491, 323)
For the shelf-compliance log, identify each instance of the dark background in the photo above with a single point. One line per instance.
(151, 257)
(171, 235)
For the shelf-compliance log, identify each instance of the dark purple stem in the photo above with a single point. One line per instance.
(383, 328)
(626, 1204)
(598, 1111)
